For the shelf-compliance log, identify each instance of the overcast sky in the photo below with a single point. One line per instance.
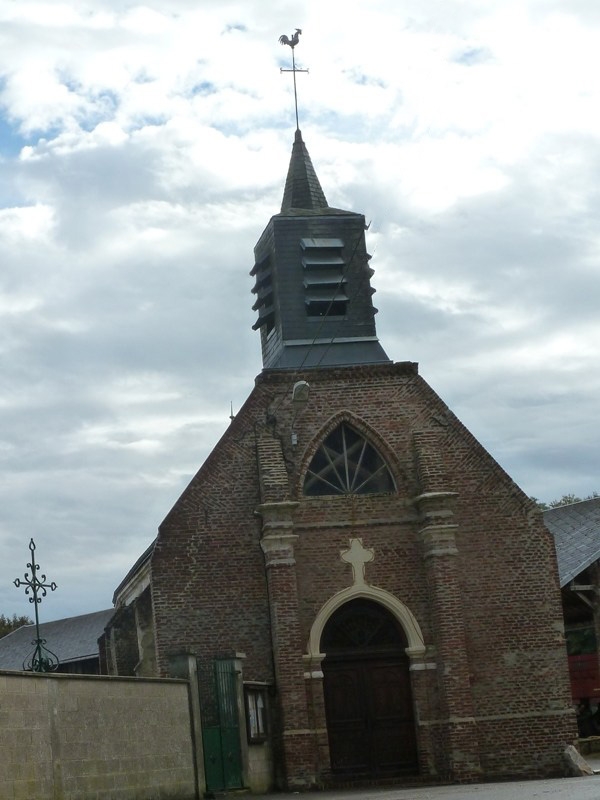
(144, 147)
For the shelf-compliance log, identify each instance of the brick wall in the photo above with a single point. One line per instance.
(120, 646)
(89, 737)
(491, 595)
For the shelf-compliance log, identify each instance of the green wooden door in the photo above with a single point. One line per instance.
(222, 755)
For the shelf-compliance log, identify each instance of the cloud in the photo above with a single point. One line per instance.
(144, 148)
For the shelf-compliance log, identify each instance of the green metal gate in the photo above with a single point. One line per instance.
(222, 755)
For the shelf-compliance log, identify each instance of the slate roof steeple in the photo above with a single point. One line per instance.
(302, 187)
(313, 279)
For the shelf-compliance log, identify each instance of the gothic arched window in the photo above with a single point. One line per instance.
(346, 463)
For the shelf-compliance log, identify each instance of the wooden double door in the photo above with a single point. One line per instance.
(368, 701)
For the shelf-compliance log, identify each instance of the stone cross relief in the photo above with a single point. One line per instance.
(357, 556)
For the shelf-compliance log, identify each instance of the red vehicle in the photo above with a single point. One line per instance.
(585, 677)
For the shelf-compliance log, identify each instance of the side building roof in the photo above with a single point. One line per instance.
(576, 532)
(136, 579)
(71, 639)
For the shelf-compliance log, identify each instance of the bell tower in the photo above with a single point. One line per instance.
(313, 280)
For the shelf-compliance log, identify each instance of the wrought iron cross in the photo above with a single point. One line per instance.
(292, 41)
(42, 659)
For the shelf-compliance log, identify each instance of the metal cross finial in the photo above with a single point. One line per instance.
(292, 41)
(42, 659)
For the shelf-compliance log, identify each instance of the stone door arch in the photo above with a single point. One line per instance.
(367, 691)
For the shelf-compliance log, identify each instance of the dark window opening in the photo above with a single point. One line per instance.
(326, 308)
(581, 640)
(256, 713)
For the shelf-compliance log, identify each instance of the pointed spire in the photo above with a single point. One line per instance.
(302, 187)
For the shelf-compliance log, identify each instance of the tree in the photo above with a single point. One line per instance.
(565, 500)
(9, 624)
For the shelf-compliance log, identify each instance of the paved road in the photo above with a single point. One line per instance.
(587, 788)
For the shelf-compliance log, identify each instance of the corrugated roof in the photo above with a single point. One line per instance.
(71, 639)
(576, 532)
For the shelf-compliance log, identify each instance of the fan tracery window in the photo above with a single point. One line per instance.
(346, 463)
(361, 625)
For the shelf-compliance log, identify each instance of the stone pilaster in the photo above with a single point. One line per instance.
(313, 676)
(298, 736)
(423, 678)
(438, 541)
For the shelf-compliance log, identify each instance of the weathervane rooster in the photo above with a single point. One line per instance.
(293, 41)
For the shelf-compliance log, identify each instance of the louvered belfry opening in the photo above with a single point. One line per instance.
(312, 279)
(263, 289)
(324, 280)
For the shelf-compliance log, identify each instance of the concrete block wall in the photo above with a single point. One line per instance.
(94, 737)
(260, 767)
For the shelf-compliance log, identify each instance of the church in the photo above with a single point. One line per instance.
(364, 593)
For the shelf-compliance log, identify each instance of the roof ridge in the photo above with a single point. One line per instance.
(570, 505)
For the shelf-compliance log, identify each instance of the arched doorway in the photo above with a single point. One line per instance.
(368, 701)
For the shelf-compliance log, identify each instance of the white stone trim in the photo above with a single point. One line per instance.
(416, 642)
(312, 666)
(135, 587)
(434, 496)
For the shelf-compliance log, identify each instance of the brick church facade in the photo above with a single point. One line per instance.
(363, 592)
